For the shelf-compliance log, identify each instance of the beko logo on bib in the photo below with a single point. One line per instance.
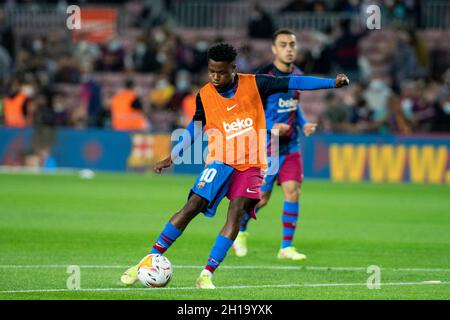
(238, 125)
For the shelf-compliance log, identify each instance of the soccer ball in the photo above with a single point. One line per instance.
(155, 270)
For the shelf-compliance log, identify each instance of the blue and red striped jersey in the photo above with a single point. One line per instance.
(284, 108)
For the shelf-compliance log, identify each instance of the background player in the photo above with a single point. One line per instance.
(283, 112)
(223, 104)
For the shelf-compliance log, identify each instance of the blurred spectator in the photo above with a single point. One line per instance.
(91, 100)
(87, 53)
(408, 98)
(441, 106)
(377, 95)
(145, 56)
(396, 9)
(184, 54)
(7, 37)
(112, 57)
(421, 53)
(395, 121)
(319, 6)
(44, 123)
(68, 70)
(335, 118)
(260, 25)
(441, 121)
(348, 6)
(200, 55)
(346, 52)
(166, 44)
(127, 110)
(244, 60)
(5, 67)
(183, 82)
(361, 114)
(305, 61)
(423, 110)
(162, 94)
(404, 60)
(43, 113)
(188, 106)
(162, 118)
(417, 105)
(153, 13)
(322, 51)
(298, 6)
(16, 105)
(59, 109)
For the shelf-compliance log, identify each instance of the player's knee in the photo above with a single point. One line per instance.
(235, 213)
(292, 194)
(194, 205)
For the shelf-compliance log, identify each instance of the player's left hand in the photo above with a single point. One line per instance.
(309, 128)
(280, 129)
(341, 81)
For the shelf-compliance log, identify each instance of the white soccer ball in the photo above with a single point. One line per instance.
(155, 270)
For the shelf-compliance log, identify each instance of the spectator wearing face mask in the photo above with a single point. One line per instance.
(144, 57)
(377, 95)
(161, 100)
(112, 57)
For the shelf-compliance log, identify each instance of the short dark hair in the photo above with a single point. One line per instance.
(281, 31)
(222, 52)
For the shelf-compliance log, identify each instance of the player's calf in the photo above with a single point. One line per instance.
(225, 239)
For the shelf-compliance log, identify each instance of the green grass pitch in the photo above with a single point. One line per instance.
(48, 222)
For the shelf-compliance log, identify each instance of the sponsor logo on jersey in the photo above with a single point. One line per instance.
(287, 105)
(238, 127)
(232, 107)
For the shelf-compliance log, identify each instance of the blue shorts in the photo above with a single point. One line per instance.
(213, 185)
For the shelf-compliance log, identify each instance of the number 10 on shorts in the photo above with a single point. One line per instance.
(208, 175)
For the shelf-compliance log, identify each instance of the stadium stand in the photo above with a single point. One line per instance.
(148, 47)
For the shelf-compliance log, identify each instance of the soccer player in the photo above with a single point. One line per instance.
(229, 107)
(283, 112)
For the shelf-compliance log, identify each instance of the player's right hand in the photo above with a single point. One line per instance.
(165, 163)
(341, 81)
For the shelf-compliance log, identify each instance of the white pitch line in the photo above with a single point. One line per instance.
(306, 268)
(292, 285)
